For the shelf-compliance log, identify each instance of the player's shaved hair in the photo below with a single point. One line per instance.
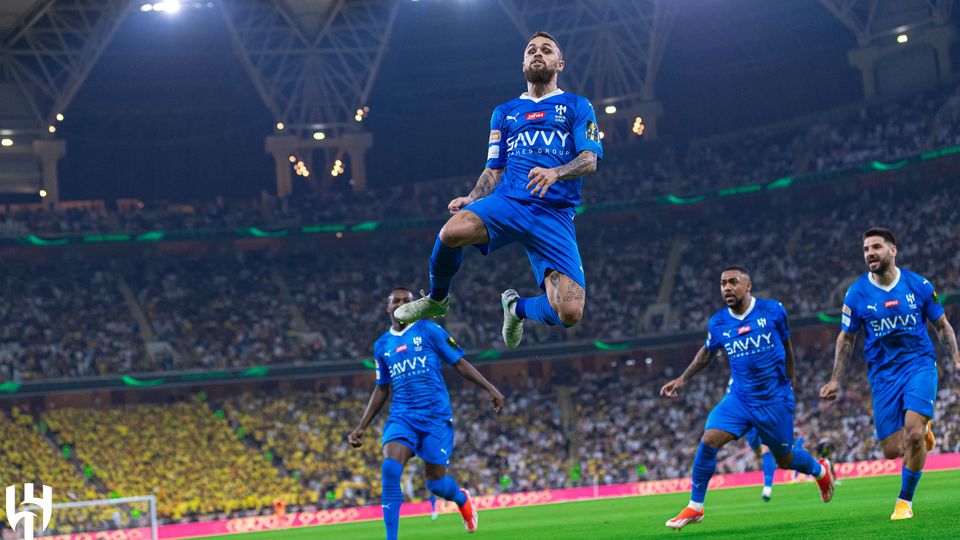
(551, 38)
(882, 233)
(739, 268)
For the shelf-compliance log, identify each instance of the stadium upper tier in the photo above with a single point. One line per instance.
(834, 141)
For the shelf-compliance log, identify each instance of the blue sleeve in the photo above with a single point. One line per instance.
(932, 309)
(445, 346)
(383, 371)
(783, 326)
(850, 320)
(586, 133)
(711, 344)
(496, 145)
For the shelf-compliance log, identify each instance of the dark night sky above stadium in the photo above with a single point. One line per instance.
(168, 112)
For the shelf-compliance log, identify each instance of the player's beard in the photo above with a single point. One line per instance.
(882, 265)
(539, 75)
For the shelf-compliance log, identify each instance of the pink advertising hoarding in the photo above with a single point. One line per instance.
(349, 515)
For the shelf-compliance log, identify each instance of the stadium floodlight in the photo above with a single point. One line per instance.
(610, 109)
(280, 126)
(167, 6)
(902, 38)
(6, 142)
(59, 117)
(43, 193)
(146, 8)
(319, 135)
(52, 129)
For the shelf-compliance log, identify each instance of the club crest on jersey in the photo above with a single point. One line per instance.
(912, 300)
(743, 330)
(402, 348)
(561, 113)
(535, 115)
(417, 343)
(891, 303)
(762, 322)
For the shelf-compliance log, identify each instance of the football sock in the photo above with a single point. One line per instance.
(704, 465)
(392, 496)
(444, 264)
(769, 467)
(538, 309)
(447, 488)
(908, 483)
(803, 462)
(433, 502)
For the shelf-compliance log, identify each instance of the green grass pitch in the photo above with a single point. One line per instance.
(860, 509)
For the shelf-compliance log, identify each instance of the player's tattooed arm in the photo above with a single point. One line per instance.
(700, 361)
(377, 400)
(948, 338)
(487, 182)
(541, 179)
(585, 163)
(845, 343)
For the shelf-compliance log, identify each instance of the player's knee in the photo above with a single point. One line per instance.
(891, 452)
(783, 461)
(570, 314)
(456, 234)
(913, 436)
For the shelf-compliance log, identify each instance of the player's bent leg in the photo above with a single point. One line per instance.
(704, 465)
(566, 297)
(912, 438)
(444, 486)
(512, 330)
(396, 456)
(821, 469)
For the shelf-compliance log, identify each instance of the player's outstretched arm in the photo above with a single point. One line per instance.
(487, 182)
(541, 179)
(700, 361)
(377, 399)
(470, 373)
(948, 338)
(845, 343)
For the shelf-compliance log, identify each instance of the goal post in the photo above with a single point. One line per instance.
(135, 516)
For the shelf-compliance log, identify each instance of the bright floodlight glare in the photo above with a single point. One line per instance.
(6, 142)
(52, 129)
(610, 109)
(319, 135)
(280, 126)
(43, 192)
(59, 117)
(146, 7)
(902, 38)
(601, 134)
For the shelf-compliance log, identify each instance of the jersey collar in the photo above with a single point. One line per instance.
(556, 92)
(887, 288)
(753, 302)
(402, 332)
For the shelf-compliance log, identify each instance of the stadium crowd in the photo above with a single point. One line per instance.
(832, 141)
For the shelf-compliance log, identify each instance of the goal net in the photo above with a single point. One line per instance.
(127, 518)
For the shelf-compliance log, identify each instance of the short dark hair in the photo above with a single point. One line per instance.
(551, 38)
(882, 233)
(739, 268)
(395, 289)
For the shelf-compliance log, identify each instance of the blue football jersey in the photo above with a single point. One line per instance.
(894, 320)
(754, 346)
(411, 361)
(546, 132)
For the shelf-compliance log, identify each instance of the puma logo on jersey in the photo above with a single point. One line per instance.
(872, 306)
(514, 118)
